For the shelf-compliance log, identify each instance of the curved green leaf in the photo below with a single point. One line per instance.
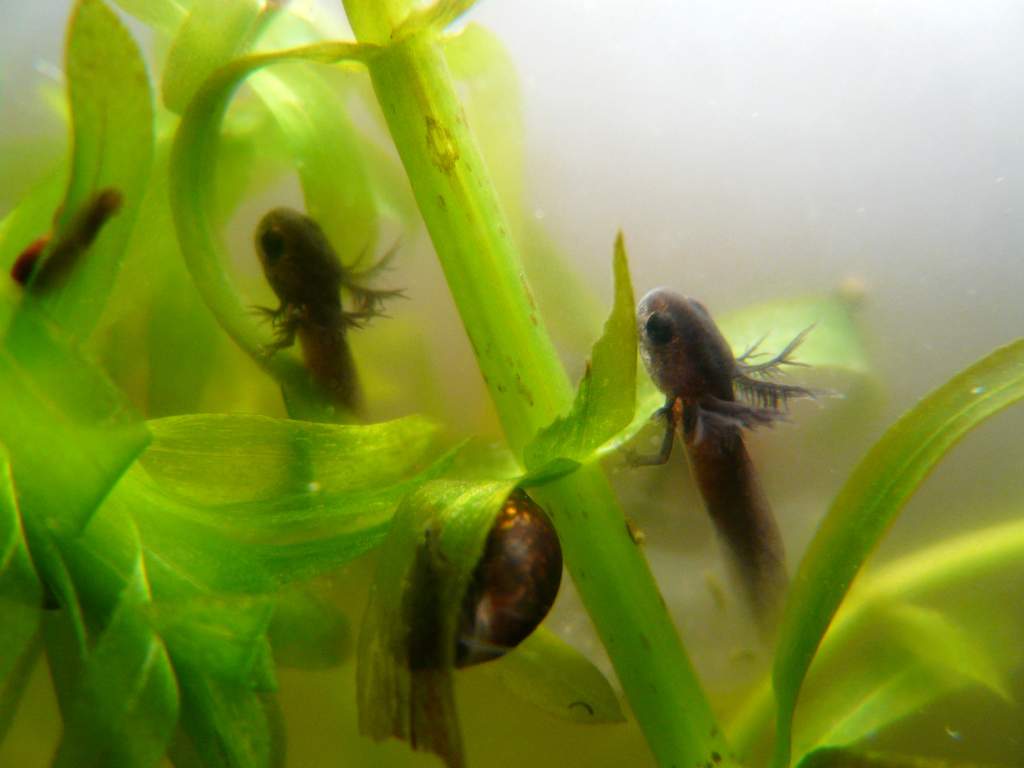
(49, 389)
(112, 125)
(119, 697)
(227, 725)
(866, 506)
(165, 15)
(21, 600)
(211, 36)
(30, 219)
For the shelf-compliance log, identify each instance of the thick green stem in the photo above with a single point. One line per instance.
(526, 381)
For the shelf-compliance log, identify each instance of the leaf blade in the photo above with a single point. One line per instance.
(868, 503)
(112, 122)
(605, 400)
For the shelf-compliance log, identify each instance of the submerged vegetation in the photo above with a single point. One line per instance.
(181, 490)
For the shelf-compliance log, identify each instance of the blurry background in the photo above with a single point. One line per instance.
(749, 151)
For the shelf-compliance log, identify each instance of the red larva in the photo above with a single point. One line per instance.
(25, 264)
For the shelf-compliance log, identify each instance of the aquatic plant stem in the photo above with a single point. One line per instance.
(525, 379)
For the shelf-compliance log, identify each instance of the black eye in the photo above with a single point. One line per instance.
(659, 329)
(272, 244)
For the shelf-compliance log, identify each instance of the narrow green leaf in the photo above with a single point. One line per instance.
(942, 643)
(21, 594)
(112, 128)
(221, 637)
(51, 390)
(220, 459)
(994, 552)
(124, 707)
(164, 15)
(866, 506)
(407, 642)
(552, 675)
(13, 685)
(30, 219)
(228, 725)
(901, 695)
(606, 400)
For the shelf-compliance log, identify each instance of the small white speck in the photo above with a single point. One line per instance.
(953, 734)
(979, 390)
(538, 214)
(1000, 179)
(49, 69)
(313, 487)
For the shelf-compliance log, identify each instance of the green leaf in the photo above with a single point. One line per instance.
(51, 390)
(21, 594)
(112, 123)
(552, 675)
(224, 638)
(222, 459)
(123, 706)
(898, 696)
(212, 35)
(407, 642)
(944, 644)
(605, 401)
(868, 503)
(13, 686)
(227, 725)
(165, 15)
(932, 572)
(246, 503)
(30, 219)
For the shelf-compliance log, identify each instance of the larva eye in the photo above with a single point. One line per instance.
(272, 245)
(658, 329)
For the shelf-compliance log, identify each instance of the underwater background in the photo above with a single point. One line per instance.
(750, 154)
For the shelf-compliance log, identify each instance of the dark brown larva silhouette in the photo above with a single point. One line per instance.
(692, 364)
(307, 276)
